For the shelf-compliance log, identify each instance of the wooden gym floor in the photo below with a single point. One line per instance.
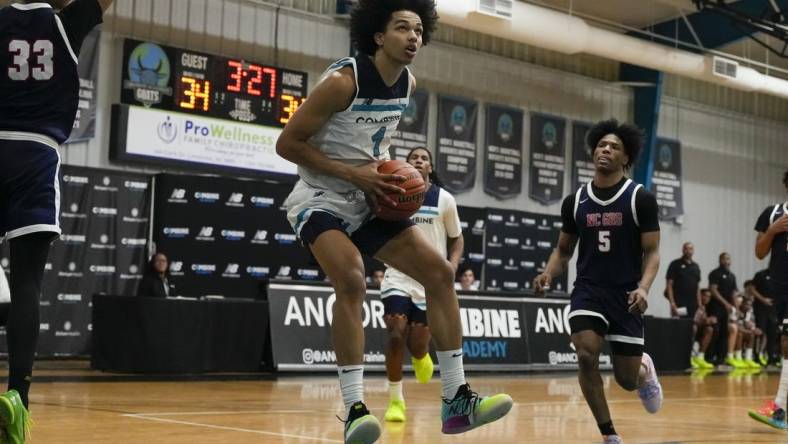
(300, 409)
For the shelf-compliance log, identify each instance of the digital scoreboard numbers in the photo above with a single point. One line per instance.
(179, 80)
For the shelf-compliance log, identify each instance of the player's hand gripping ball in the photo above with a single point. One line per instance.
(408, 203)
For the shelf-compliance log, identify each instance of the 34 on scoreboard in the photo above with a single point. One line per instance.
(181, 80)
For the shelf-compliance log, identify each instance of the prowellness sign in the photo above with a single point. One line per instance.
(204, 140)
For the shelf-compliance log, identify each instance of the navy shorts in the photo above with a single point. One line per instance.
(369, 238)
(780, 294)
(608, 308)
(29, 189)
(403, 305)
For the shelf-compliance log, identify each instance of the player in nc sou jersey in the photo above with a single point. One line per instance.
(772, 228)
(338, 137)
(39, 90)
(403, 298)
(614, 220)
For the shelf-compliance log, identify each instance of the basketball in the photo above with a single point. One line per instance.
(408, 203)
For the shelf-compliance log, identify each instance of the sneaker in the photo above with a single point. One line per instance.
(396, 411)
(735, 363)
(468, 411)
(361, 427)
(768, 408)
(14, 417)
(612, 439)
(651, 393)
(752, 364)
(694, 362)
(423, 368)
(704, 364)
(776, 419)
(763, 359)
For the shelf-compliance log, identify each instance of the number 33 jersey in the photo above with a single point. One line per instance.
(39, 85)
(361, 133)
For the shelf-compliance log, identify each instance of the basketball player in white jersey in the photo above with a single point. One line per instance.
(338, 138)
(403, 298)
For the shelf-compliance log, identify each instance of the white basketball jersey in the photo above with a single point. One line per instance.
(362, 132)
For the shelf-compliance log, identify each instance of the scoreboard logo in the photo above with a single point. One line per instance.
(149, 74)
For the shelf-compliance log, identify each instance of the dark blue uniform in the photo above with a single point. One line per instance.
(39, 89)
(610, 258)
(778, 260)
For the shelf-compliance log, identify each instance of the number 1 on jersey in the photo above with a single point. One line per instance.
(604, 241)
(377, 138)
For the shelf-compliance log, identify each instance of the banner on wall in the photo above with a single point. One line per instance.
(582, 158)
(412, 130)
(226, 236)
(456, 147)
(87, 69)
(547, 158)
(503, 152)
(104, 220)
(667, 179)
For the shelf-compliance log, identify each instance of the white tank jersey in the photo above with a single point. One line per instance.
(438, 220)
(362, 132)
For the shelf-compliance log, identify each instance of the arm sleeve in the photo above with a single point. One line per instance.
(567, 215)
(647, 210)
(79, 18)
(763, 220)
(451, 218)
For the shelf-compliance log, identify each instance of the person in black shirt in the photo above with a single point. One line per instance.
(683, 282)
(765, 317)
(157, 282)
(722, 283)
(614, 221)
(39, 95)
(772, 228)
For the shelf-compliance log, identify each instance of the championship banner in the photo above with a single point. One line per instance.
(104, 219)
(503, 148)
(667, 179)
(547, 158)
(412, 130)
(494, 331)
(473, 222)
(226, 236)
(582, 159)
(455, 157)
(87, 69)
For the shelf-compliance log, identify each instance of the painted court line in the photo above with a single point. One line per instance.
(233, 429)
(223, 412)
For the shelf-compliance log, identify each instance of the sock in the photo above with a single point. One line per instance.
(748, 354)
(695, 349)
(782, 390)
(351, 382)
(737, 355)
(452, 373)
(395, 391)
(730, 356)
(607, 429)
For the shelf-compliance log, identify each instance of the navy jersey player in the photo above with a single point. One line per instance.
(338, 138)
(772, 228)
(39, 90)
(614, 221)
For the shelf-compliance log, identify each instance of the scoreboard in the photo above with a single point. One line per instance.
(180, 80)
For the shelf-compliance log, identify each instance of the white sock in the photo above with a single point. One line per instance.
(695, 348)
(395, 391)
(730, 356)
(351, 382)
(782, 391)
(748, 354)
(452, 373)
(737, 354)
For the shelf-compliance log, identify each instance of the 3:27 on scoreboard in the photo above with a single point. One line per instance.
(181, 80)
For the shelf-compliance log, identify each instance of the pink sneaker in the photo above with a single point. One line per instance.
(651, 393)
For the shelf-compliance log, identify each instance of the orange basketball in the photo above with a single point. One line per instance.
(408, 203)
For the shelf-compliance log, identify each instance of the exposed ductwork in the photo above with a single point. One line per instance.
(546, 28)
